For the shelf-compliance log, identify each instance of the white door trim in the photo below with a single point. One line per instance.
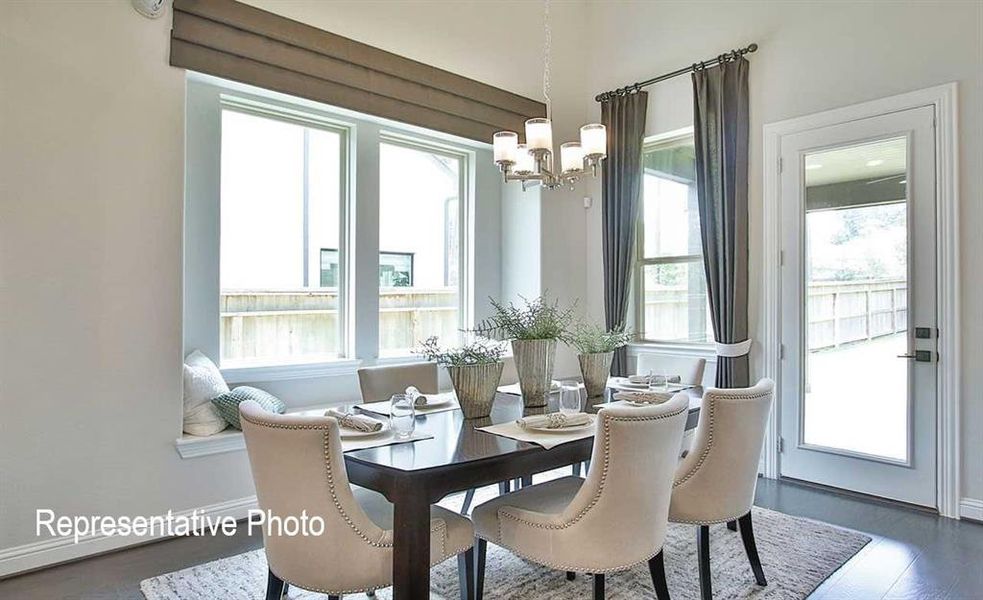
(943, 98)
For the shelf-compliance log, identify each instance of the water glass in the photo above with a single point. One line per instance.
(402, 415)
(570, 397)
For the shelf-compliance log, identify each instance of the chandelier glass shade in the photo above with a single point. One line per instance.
(534, 160)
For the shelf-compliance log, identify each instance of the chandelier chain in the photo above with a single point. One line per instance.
(547, 52)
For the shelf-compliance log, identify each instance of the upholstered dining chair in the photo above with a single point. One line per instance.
(609, 522)
(689, 369)
(380, 383)
(298, 466)
(715, 482)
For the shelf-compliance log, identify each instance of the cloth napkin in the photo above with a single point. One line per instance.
(419, 400)
(356, 422)
(554, 421)
(643, 397)
(653, 379)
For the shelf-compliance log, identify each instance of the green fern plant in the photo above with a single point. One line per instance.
(478, 352)
(537, 319)
(589, 338)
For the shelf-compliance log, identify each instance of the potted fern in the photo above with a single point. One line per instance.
(475, 370)
(533, 330)
(596, 347)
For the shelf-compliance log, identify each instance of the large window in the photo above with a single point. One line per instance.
(419, 228)
(281, 203)
(317, 238)
(671, 293)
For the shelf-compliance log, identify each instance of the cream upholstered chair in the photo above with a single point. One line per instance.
(689, 369)
(298, 466)
(380, 383)
(715, 482)
(611, 521)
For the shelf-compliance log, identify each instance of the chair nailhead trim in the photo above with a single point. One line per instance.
(503, 512)
(435, 525)
(710, 423)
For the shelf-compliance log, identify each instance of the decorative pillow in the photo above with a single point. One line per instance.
(202, 382)
(228, 404)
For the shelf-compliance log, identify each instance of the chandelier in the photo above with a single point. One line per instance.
(533, 160)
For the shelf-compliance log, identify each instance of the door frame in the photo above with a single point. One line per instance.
(943, 98)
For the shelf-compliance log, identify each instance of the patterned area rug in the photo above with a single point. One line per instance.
(797, 555)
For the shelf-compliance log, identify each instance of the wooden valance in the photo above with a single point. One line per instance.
(239, 42)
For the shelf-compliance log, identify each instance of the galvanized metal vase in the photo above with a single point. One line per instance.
(595, 368)
(534, 365)
(475, 386)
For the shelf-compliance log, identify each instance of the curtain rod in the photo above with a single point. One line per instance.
(732, 55)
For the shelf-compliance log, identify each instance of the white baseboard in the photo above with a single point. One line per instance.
(58, 550)
(971, 508)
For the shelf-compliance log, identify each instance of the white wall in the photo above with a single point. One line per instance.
(815, 56)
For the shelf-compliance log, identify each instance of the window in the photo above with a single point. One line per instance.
(281, 204)
(670, 282)
(419, 227)
(316, 238)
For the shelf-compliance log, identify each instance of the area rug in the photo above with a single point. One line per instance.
(797, 555)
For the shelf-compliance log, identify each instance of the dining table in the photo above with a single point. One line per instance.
(458, 457)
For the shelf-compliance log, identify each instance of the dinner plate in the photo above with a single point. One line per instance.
(353, 434)
(437, 401)
(574, 429)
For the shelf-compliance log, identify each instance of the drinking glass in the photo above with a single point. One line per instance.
(402, 415)
(569, 397)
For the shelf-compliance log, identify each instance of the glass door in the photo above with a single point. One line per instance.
(858, 399)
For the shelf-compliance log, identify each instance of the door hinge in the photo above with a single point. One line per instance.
(781, 445)
(781, 165)
(781, 351)
(781, 258)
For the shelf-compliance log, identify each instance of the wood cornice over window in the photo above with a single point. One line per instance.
(239, 42)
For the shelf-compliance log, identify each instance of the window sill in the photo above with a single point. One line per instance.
(707, 351)
(399, 359)
(248, 374)
(230, 440)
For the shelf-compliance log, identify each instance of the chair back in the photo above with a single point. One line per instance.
(716, 480)
(380, 383)
(689, 369)
(298, 469)
(619, 516)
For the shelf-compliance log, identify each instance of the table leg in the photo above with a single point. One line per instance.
(411, 546)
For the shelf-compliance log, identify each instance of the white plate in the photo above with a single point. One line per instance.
(437, 401)
(576, 429)
(352, 434)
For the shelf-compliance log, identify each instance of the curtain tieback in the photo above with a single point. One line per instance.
(734, 350)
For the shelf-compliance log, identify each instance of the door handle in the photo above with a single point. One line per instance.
(918, 356)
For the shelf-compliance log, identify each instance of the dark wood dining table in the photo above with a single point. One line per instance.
(416, 474)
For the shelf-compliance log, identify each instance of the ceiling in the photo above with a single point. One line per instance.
(856, 163)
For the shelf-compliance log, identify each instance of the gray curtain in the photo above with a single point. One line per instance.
(720, 96)
(624, 117)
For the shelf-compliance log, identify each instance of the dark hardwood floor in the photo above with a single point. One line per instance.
(914, 555)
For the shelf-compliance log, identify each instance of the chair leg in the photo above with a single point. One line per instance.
(481, 548)
(703, 554)
(468, 499)
(370, 593)
(598, 586)
(274, 587)
(576, 469)
(465, 573)
(657, 568)
(286, 589)
(571, 575)
(504, 487)
(747, 536)
(732, 525)
(586, 467)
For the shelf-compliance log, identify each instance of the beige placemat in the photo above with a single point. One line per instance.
(385, 407)
(383, 439)
(512, 430)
